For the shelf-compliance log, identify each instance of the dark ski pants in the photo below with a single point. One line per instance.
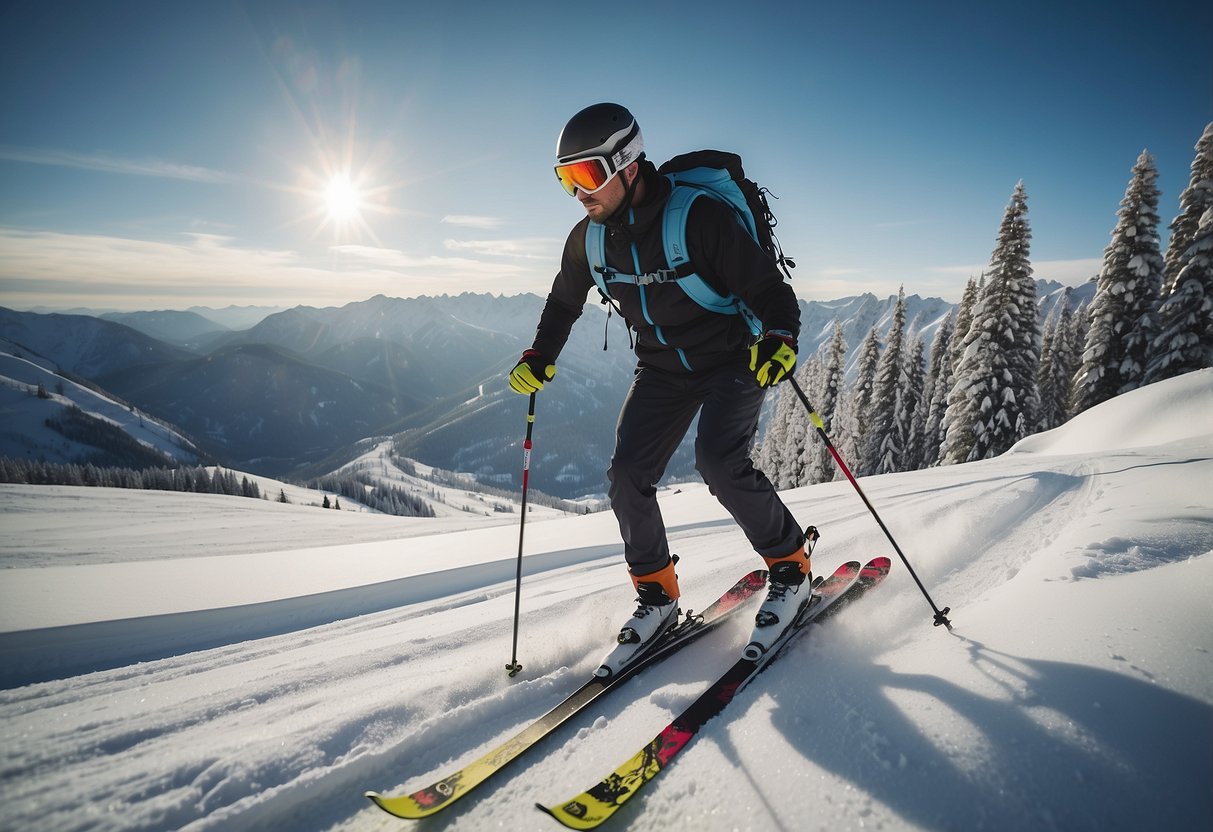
(656, 415)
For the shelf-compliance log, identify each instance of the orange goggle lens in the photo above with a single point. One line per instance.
(589, 175)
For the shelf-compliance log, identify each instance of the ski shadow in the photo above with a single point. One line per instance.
(1057, 746)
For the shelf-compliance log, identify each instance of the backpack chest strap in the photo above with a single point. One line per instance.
(660, 276)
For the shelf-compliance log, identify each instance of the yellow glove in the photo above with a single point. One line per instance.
(772, 357)
(531, 371)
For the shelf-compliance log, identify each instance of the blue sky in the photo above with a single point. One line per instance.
(160, 155)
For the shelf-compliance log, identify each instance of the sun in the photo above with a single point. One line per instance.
(342, 199)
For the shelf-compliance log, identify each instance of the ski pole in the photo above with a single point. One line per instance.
(941, 616)
(513, 667)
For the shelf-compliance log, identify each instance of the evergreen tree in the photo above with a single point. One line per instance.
(859, 412)
(1185, 332)
(799, 431)
(1062, 343)
(994, 395)
(843, 437)
(1126, 296)
(1014, 268)
(1045, 378)
(882, 449)
(1193, 202)
(939, 384)
(819, 465)
(1185, 339)
(964, 318)
(913, 423)
(1067, 352)
(771, 455)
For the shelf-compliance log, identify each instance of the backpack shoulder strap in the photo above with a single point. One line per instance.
(674, 225)
(674, 238)
(595, 253)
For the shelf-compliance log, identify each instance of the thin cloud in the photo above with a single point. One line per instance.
(67, 270)
(538, 248)
(473, 221)
(968, 271)
(1068, 272)
(390, 258)
(106, 163)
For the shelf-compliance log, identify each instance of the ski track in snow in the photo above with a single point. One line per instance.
(1075, 693)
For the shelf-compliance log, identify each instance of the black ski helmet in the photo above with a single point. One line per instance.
(606, 130)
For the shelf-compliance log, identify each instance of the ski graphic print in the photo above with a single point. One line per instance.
(442, 793)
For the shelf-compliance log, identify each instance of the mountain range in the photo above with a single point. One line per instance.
(293, 394)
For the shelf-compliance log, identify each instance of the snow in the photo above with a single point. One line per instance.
(257, 665)
(1145, 416)
(378, 464)
(26, 435)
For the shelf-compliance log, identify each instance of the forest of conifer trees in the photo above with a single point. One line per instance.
(995, 372)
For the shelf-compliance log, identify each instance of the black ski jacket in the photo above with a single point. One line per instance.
(673, 332)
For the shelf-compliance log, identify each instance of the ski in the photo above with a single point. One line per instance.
(593, 807)
(444, 792)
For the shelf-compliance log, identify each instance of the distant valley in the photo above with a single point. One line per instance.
(294, 394)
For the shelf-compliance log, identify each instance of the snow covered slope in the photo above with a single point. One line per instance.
(23, 414)
(1075, 693)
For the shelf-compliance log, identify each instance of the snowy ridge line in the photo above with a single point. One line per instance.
(52, 653)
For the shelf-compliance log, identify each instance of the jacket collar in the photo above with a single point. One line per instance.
(641, 216)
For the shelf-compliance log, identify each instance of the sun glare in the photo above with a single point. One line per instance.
(342, 199)
(339, 197)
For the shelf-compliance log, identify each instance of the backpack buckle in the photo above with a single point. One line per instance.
(648, 279)
(659, 276)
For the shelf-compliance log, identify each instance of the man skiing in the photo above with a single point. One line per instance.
(689, 360)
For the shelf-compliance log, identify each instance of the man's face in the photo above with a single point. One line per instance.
(603, 203)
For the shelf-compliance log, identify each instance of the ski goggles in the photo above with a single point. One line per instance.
(593, 173)
(588, 175)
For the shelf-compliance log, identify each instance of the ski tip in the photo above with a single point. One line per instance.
(550, 812)
(404, 806)
(571, 820)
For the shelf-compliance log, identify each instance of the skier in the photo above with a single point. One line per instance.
(689, 360)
